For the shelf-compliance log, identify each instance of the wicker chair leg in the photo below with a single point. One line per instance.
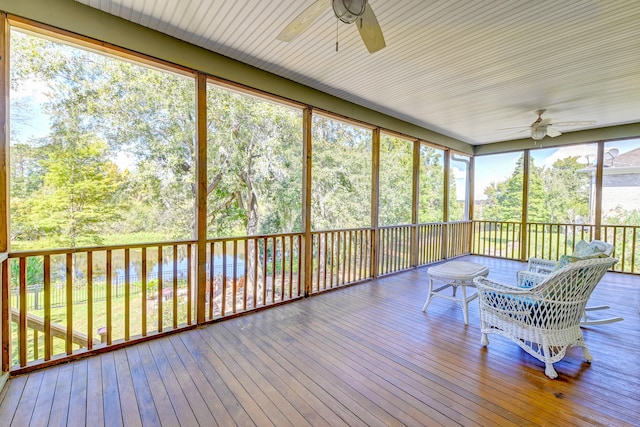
(550, 371)
(586, 354)
(484, 341)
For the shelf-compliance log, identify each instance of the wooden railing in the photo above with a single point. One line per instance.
(252, 272)
(145, 289)
(340, 257)
(550, 241)
(395, 248)
(496, 238)
(64, 303)
(458, 238)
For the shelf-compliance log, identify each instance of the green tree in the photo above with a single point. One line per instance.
(566, 191)
(341, 187)
(431, 205)
(79, 192)
(504, 199)
(396, 181)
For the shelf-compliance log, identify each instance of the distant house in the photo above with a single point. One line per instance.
(620, 183)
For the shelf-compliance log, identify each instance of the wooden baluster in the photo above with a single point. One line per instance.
(246, 275)
(212, 278)
(127, 295)
(69, 305)
(48, 340)
(274, 251)
(175, 286)
(159, 290)
(223, 310)
(189, 284)
(265, 246)
(144, 291)
(234, 281)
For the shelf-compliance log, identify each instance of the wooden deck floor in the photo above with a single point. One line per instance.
(363, 355)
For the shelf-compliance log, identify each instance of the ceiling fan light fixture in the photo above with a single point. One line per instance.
(349, 10)
(538, 132)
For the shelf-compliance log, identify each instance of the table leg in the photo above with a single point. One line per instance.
(429, 295)
(465, 306)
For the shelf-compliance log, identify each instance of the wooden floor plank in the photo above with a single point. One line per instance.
(175, 393)
(42, 408)
(110, 392)
(28, 399)
(78, 401)
(296, 410)
(146, 405)
(307, 403)
(162, 401)
(126, 391)
(10, 398)
(95, 402)
(62, 397)
(292, 370)
(224, 414)
(193, 394)
(363, 355)
(244, 413)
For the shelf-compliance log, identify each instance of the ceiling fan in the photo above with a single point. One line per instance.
(543, 127)
(347, 11)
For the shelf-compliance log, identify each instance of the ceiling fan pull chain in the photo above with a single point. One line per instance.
(337, 29)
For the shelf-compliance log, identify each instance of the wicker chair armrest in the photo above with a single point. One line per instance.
(539, 265)
(529, 279)
(506, 300)
(487, 285)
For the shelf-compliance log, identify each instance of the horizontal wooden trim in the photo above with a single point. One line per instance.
(257, 93)
(59, 35)
(60, 251)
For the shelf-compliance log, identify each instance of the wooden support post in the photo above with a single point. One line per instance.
(445, 204)
(5, 322)
(471, 200)
(307, 242)
(598, 198)
(524, 253)
(415, 205)
(375, 201)
(201, 198)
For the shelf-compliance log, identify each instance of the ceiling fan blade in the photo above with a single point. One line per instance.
(545, 122)
(577, 123)
(370, 30)
(553, 132)
(304, 20)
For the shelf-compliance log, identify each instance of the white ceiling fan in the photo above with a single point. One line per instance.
(347, 11)
(543, 127)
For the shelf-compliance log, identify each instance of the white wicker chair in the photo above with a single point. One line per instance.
(545, 319)
(537, 268)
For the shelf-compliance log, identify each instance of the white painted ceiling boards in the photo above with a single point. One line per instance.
(463, 68)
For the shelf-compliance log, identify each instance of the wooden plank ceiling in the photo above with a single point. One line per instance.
(464, 69)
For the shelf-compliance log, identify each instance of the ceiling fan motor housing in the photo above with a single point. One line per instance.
(349, 10)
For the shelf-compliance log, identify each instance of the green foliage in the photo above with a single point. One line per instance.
(396, 180)
(557, 194)
(431, 204)
(341, 187)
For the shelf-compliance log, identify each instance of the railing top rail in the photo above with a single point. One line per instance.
(62, 251)
(253, 236)
(382, 227)
(560, 223)
(342, 229)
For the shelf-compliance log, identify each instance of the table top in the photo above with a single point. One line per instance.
(458, 270)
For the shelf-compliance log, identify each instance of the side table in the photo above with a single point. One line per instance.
(453, 274)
